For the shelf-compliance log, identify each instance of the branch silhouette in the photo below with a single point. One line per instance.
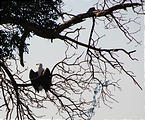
(73, 77)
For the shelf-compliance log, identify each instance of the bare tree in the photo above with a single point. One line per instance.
(75, 75)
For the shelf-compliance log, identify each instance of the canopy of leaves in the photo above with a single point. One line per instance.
(44, 13)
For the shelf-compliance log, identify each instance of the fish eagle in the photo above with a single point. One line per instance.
(41, 79)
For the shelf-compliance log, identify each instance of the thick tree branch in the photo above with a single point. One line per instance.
(114, 8)
(53, 33)
(97, 13)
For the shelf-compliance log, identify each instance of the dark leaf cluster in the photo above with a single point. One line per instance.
(44, 13)
(9, 44)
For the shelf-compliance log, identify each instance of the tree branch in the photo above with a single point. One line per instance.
(114, 8)
(10, 76)
(97, 13)
(53, 33)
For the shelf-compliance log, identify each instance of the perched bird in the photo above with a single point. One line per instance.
(35, 80)
(41, 79)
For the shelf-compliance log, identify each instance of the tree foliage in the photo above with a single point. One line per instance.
(72, 76)
(43, 13)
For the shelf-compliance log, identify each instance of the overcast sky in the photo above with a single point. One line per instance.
(131, 99)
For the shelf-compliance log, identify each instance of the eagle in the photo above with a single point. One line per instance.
(41, 79)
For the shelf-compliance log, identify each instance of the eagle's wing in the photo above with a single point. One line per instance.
(35, 80)
(46, 79)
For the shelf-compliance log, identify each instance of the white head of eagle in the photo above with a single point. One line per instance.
(41, 79)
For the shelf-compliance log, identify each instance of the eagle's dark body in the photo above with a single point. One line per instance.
(41, 80)
(46, 79)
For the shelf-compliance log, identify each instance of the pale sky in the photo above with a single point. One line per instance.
(131, 99)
